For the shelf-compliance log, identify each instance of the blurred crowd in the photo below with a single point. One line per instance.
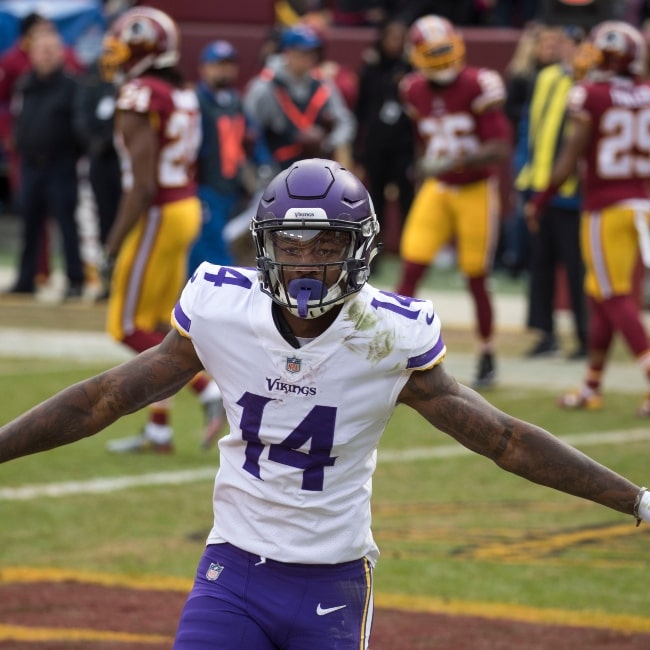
(57, 135)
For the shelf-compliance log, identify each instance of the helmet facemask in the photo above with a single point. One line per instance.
(298, 262)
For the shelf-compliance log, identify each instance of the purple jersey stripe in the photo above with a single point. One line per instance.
(181, 318)
(426, 357)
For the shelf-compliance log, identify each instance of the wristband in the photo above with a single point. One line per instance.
(641, 508)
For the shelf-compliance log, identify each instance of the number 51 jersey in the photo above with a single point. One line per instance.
(295, 476)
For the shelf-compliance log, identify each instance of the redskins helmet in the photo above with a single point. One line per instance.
(314, 217)
(140, 39)
(436, 48)
(619, 49)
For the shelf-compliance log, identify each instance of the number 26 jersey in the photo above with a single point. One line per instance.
(295, 477)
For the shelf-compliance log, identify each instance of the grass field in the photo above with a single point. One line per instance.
(452, 527)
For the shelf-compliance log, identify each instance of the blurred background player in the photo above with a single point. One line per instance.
(465, 135)
(158, 133)
(300, 114)
(608, 114)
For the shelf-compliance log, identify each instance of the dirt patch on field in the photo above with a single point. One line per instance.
(81, 616)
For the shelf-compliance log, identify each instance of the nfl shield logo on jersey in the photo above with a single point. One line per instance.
(293, 364)
(214, 571)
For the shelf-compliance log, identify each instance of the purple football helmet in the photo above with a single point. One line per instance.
(317, 206)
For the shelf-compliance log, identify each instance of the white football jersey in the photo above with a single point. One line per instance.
(295, 476)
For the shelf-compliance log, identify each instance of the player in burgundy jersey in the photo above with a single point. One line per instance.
(464, 132)
(158, 134)
(609, 116)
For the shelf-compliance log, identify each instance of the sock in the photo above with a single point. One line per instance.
(158, 433)
(210, 393)
(411, 275)
(139, 341)
(623, 313)
(599, 340)
(482, 305)
(157, 428)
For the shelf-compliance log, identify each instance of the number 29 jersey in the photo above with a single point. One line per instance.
(295, 476)
(617, 159)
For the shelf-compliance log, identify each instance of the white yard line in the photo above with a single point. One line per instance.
(105, 485)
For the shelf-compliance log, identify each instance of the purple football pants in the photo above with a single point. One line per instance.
(240, 601)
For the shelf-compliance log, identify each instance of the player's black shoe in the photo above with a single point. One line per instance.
(486, 372)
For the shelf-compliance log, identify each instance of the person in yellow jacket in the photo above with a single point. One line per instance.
(555, 235)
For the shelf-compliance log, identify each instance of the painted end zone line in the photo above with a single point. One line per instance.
(105, 485)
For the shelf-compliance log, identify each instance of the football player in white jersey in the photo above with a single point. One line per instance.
(311, 361)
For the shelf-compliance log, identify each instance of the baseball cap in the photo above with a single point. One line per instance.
(576, 33)
(218, 51)
(300, 37)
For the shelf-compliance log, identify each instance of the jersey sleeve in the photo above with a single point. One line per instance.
(143, 96)
(491, 91)
(427, 346)
(181, 316)
(577, 103)
(415, 327)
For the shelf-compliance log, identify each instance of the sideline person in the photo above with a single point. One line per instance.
(312, 361)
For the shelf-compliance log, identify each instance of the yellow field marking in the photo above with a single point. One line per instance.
(24, 633)
(531, 550)
(406, 602)
(621, 622)
(15, 575)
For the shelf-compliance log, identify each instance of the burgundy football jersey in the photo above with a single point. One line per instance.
(175, 114)
(455, 119)
(617, 161)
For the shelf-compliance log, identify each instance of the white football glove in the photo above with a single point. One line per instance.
(642, 506)
(434, 166)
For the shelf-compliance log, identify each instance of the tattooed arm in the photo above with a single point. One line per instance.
(91, 405)
(514, 445)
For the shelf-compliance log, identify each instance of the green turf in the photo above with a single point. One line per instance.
(457, 528)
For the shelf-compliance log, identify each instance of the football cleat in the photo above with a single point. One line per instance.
(581, 399)
(486, 373)
(138, 444)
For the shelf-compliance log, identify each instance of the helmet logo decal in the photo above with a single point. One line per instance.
(306, 213)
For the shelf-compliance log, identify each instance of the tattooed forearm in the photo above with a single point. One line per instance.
(91, 405)
(516, 446)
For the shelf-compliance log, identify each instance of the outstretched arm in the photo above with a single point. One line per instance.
(514, 445)
(88, 407)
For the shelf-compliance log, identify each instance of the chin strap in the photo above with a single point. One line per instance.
(304, 290)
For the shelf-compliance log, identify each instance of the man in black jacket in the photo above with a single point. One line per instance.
(45, 140)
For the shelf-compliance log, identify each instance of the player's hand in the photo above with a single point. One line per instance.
(531, 216)
(535, 207)
(106, 268)
(435, 165)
